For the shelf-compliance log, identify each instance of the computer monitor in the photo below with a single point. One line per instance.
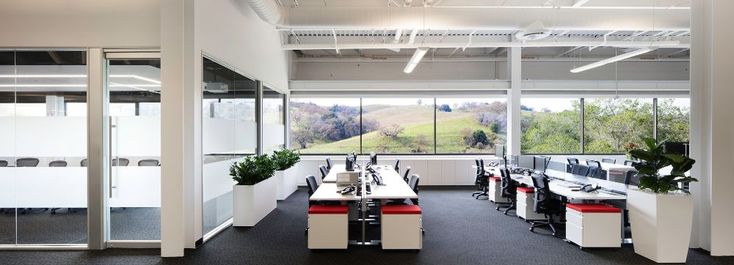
(499, 151)
(540, 163)
(680, 148)
(349, 163)
(373, 158)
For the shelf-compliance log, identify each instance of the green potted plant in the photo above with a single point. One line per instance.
(661, 212)
(254, 191)
(285, 178)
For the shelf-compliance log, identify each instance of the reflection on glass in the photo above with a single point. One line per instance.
(229, 133)
(397, 125)
(551, 126)
(42, 184)
(273, 120)
(470, 125)
(134, 109)
(324, 125)
(615, 125)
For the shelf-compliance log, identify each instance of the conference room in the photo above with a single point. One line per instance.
(365, 132)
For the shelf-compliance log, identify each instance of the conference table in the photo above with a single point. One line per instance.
(392, 187)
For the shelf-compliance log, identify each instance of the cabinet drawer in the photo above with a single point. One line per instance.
(574, 217)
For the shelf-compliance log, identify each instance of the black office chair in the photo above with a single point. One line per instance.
(595, 170)
(57, 163)
(544, 203)
(149, 163)
(323, 171)
(630, 178)
(628, 162)
(121, 162)
(328, 163)
(397, 166)
(571, 161)
(509, 191)
(84, 163)
(3, 163)
(26, 162)
(482, 182)
(405, 176)
(413, 183)
(609, 160)
(312, 184)
(580, 170)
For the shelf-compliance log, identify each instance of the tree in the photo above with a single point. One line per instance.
(444, 108)
(391, 131)
(480, 137)
(302, 137)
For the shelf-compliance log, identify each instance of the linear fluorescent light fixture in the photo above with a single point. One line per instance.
(417, 56)
(611, 60)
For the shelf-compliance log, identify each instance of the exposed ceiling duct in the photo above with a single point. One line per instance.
(267, 10)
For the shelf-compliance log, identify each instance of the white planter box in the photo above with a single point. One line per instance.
(286, 183)
(253, 202)
(661, 225)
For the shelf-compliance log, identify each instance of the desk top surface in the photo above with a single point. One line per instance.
(562, 184)
(394, 186)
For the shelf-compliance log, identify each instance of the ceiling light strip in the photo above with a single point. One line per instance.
(612, 60)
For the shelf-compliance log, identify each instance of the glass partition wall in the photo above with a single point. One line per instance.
(273, 120)
(229, 133)
(43, 130)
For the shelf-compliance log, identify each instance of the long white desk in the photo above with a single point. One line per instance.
(394, 187)
(560, 182)
(335, 169)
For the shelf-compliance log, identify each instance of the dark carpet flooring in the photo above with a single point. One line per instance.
(459, 230)
(41, 227)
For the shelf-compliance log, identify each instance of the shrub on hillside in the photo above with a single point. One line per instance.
(391, 131)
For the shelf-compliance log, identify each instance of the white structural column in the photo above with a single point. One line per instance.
(712, 130)
(514, 57)
(176, 44)
(97, 150)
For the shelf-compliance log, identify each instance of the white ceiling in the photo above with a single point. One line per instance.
(483, 28)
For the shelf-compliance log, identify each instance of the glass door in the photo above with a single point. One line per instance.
(134, 90)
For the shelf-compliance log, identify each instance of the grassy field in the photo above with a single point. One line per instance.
(417, 136)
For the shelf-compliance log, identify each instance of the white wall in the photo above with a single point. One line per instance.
(484, 70)
(230, 33)
(80, 23)
(711, 126)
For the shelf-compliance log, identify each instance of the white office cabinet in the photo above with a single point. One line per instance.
(328, 227)
(593, 225)
(402, 227)
(495, 190)
(525, 204)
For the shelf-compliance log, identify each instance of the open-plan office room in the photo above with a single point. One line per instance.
(366, 132)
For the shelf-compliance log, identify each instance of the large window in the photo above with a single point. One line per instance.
(325, 125)
(673, 117)
(397, 125)
(470, 125)
(551, 125)
(612, 125)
